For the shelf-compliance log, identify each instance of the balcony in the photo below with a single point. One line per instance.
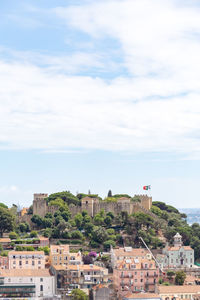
(151, 276)
(126, 276)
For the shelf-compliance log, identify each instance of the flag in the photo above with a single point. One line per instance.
(146, 187)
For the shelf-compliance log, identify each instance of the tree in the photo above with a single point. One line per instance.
(87, 260)
(108, 221)
(78, 220)
(108, 244)
(109, 193)
(99, 234)
(78, 294)
(33, 234)
(37, 220)
(170, 274)
(66, 196)
(13, 235)
(180, 277)
(6, 220)
(24, 227)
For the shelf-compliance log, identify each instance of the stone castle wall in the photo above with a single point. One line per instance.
(94, 206)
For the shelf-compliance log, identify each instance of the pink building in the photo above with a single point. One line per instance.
(135, 275)
(4, 262)
(43, 241)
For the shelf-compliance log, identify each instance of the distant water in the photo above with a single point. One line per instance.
(193, 214)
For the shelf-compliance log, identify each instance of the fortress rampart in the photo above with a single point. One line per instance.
(94, 205)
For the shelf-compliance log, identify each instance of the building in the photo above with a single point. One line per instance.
(79, 276)
(5, 242)
(26, 260)
(44, 241)
(94, 206)
(141, 296)
(177, 256)
(4, 262)
(60, 255)
(135, 275)
(121, 254)
(26, 283)
(174, 292)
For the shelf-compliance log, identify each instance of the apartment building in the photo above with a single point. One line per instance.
(174, 292)
(26, 284)
(26, 260)
(135, 275)
(79, 276)
(120, 254)
(60, 255)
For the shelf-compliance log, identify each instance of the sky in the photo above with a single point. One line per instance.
(98, 95)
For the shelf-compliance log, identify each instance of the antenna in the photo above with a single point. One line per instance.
(161, 270)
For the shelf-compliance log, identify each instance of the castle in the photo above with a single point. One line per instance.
(95, 205)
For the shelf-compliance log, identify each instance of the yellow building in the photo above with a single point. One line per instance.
(60, 255)
(26, 260)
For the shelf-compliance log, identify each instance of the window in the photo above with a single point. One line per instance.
(41, 279)
(14, 262)
(171, 260)
(26, 262)
(39, 262)
(31, 279)
(20, 263)
(9, 280)
(41, 288)
(33, 263)
(135, 273)
(141, 280)
(135, 280)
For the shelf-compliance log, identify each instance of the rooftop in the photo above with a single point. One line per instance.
(25, 273)
(141, 296)
(174, 289)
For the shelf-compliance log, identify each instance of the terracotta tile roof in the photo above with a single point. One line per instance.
(139, 262)
(178, 248)
(42, 238)
(78, 267)
(25, 273)
(133, 252)
(58, 247)
(25, 253)
(141, 296)
(5, 240)
(190, 278)
(179, 289)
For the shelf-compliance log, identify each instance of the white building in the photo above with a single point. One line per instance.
(26, 283)
(177, 256)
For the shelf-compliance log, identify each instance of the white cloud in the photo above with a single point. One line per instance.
(156, 109)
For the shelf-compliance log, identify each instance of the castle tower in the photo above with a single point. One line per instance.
(178, 240)
(40, 204)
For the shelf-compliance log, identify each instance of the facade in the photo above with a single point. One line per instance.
(60, 255)
(135, 275)
(178, 256)
(121, 254)
(79, 276)
(4, 262)
(43, 241)
(26, 283)
(174, 292)
(26, 260)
